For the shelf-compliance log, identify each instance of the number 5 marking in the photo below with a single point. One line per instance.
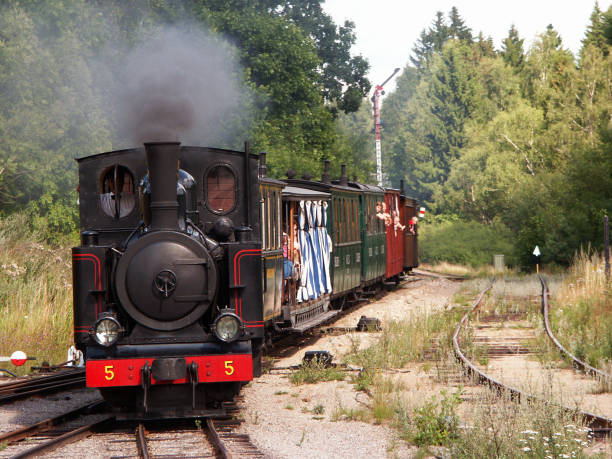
(109, 374)
(229, 369)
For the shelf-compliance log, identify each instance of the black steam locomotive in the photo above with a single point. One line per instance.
(167, 281)
(191, 259)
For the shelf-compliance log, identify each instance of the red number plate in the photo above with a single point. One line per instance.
(211, 368)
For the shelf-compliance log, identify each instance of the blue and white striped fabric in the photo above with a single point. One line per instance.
(306, 282)
(315, 248)
(326, 246)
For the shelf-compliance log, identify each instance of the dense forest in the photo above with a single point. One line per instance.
(508, 148)
(509, 144)
(278, 74)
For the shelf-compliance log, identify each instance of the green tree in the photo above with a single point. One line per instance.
(343, 76)
(457, 28)
(596, 31)
(430, 41)
(447, 99)
(512, 50)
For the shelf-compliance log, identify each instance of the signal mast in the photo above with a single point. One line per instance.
(378, 91)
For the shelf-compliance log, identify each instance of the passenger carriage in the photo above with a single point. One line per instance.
(394, 235)
(343, 226)
(409, 209)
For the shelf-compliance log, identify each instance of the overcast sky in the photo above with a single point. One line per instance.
(388, 29)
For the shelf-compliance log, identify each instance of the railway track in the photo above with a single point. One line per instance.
(600, 425)
(101, 435)
(40, 385)
(579, 364)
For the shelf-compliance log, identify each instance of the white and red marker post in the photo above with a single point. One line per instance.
(17, 358)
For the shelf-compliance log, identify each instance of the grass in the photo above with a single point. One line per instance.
(467, 271)
(488, 426)
(580, 311)
(314, 371)
(504, 428)
(407, 341)
(35, 295)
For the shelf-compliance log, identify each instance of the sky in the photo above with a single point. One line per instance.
(387, 30)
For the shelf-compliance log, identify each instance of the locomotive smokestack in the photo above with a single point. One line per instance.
(162, 161)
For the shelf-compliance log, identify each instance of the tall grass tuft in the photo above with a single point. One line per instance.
(408, 341)
(35, 294)
(581, 308)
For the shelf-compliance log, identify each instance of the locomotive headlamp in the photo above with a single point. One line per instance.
(227, 327)
(106, 331)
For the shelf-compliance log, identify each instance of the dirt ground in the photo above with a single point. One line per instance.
(279, 415)
(280, 419)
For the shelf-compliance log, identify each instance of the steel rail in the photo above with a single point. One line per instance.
(582, 366)
(28, 431)
(141, 442)
(34, 380)
(68, 437)
(216, 440)
(55, 387)
(40, 385)
(598, 424)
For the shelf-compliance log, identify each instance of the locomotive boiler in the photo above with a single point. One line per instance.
(167, 279)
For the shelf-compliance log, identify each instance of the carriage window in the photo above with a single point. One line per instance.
(356, 219)
(353, 217)
(346, 219)
(279, 229)
(117, 196)
(351, 212)
(263, 216)
(220, 189)
(341, 224)
(275, 220)
(335, 219)
(269, 221)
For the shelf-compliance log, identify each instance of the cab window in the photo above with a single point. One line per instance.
(117, 196)
(220, 189)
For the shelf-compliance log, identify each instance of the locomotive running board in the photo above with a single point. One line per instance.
(303, 326)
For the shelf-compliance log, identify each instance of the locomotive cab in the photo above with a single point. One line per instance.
(166, 327)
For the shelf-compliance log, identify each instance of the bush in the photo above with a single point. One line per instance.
(465, 242)
(436, 423)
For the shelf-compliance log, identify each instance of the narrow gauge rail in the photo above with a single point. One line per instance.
(38, 385)
(47, 424)
(218, 433)
(66, 438)
(601, 426)
(428, 273)
(582, 366)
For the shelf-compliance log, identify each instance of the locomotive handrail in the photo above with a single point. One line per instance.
(583, 366)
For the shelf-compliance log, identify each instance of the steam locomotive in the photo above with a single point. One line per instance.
(191, 258)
